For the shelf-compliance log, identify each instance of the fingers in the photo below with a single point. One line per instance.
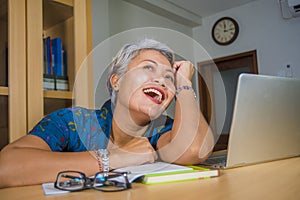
(183, 63)
(184, 72)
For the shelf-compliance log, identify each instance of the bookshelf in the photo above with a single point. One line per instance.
(24, 24)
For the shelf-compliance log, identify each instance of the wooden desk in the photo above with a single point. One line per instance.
(273, 180)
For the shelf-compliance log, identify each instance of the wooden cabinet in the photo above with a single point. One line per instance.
(12, 70)
(24, 24)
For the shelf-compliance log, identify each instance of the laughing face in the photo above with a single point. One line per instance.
(147, 88)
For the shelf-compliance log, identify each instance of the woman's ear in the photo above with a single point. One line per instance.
(114, 82)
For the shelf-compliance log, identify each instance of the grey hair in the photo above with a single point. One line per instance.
(127, 53)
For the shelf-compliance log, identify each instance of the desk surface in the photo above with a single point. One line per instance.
(272, 180)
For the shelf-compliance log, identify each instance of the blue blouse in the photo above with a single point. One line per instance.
(79, 129)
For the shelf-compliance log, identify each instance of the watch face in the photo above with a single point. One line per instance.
(225, 31)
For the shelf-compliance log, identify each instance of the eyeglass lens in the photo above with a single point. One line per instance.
(70, 181)
(110, 182)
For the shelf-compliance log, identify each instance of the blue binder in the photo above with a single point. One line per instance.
(57, 57)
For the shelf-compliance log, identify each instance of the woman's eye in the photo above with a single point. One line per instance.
(170, 78)
(148, 67)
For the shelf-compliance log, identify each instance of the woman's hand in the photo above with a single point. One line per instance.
(184, 72)
(137, 151)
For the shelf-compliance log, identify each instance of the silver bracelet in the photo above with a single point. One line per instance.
(185, 87)
(103, 155)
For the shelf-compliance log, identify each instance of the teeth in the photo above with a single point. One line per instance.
(159, 95)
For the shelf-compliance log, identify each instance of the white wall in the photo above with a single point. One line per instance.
(276, 40)
(100, 21)
(114, 16)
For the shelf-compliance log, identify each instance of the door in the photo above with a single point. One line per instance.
(229, 67)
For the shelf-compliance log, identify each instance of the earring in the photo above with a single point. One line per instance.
(116, 87)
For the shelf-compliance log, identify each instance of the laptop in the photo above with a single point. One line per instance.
(265, 124)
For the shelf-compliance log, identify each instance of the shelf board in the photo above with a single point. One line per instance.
(54, 94)
(56, 11)
(3, 90)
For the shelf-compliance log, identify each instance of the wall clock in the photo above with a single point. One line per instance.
(225, 31)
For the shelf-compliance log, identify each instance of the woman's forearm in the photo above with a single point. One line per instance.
(30, 161)
(28, 166)
(191, 139)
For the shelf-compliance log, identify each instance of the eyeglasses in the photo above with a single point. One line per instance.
(76, 181)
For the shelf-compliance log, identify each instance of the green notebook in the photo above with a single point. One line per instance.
(161, 172)
(179, 176)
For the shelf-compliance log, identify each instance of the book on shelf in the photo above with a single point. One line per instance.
(52, 82)
(61, 83)
(47, 55)
(55, 65)
(55, 57)
(48, 82)
(161, 172)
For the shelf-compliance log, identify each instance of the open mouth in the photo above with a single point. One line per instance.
(154, 94)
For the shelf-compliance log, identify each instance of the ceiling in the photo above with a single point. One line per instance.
(206, 8)
(187, 12)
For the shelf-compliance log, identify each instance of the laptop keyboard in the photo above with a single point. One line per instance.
(216, 161)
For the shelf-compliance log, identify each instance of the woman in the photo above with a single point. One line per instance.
(142, 82)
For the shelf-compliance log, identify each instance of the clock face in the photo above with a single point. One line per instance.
(225, 31)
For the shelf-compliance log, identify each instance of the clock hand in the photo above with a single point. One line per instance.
(231, 29)
(225, 30)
